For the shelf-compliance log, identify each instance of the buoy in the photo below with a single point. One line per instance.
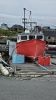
(3, 70)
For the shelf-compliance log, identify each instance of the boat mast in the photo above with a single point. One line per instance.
(24, 18)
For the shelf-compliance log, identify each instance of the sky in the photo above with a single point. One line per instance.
(43, 11)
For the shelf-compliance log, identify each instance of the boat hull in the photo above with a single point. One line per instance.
(31, 48)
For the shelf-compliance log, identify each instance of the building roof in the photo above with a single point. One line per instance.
(49, 32)
(17, 27)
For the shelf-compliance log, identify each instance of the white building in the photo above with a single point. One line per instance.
(4, 26)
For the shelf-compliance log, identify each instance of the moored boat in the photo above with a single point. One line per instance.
(31, 48)
(30, 45)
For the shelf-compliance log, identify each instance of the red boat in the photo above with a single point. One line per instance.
(31, 48)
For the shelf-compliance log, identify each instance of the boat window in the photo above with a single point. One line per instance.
(39, 37)
(23, 37)
(31, 37)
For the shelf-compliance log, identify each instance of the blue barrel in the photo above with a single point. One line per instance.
(18, 59)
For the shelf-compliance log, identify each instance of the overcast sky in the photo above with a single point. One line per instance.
(43, 11)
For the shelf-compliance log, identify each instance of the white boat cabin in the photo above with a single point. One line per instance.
(25, 37)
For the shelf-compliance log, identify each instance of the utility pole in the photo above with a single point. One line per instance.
(24, 18)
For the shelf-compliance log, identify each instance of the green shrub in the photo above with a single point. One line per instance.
(9, 32)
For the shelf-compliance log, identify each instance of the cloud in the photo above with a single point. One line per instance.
(10, 19)
(8, 16)
(43, 11)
